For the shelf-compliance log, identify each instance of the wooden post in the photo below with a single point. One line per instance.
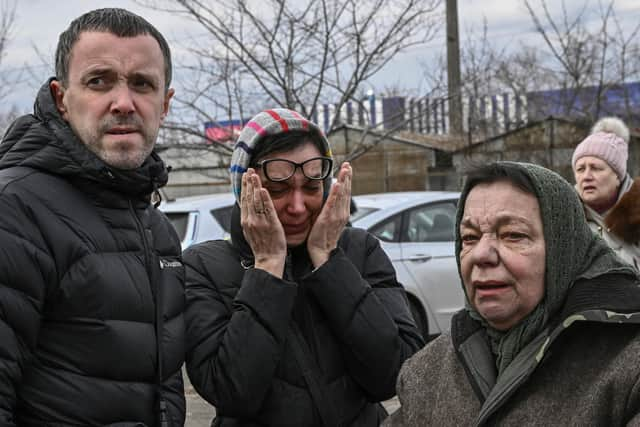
(453, 69)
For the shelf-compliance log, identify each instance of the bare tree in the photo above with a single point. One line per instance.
(7, 20)
(479, 59)
(586, 56)
(294, 54)
(523, 70)
(7, 117)
(587, 60)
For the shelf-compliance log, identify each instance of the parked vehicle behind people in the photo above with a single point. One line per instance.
(416, 231)
(200, 218)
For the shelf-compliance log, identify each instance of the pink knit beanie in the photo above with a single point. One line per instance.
(608, 141)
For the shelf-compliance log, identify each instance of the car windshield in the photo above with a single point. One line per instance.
(361, 212)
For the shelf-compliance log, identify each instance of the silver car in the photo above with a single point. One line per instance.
(416, 230)
(200, 218)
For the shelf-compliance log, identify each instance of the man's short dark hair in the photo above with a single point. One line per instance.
(119, 22)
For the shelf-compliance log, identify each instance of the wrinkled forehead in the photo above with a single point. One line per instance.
(592, 161)
(493, 204)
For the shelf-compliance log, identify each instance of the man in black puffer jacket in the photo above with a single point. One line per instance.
(91, 282)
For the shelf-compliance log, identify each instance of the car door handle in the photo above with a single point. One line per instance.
(419, 258)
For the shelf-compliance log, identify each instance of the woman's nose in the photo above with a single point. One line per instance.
(485, 251)
(296, 201)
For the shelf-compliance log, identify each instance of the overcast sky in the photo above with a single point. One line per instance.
(39, 22)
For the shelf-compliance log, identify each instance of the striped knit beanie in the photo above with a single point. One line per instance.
(266, 123)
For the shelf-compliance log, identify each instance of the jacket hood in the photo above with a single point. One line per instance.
(45, 141)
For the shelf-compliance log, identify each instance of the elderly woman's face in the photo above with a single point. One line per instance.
(596, 182)
(502, 259)
(298, 200)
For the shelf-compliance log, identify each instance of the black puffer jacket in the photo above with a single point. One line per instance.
(83, 260)
(352, 313)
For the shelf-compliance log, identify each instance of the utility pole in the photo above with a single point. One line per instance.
(453, 69)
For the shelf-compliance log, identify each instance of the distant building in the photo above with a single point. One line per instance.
(403, 143)
(588, 104)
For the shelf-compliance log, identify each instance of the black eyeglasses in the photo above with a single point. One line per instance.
(316, 168)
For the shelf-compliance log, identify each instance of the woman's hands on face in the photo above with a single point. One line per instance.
(324, 235)
(261, 226)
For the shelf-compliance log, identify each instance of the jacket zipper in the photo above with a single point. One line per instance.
(155, 292)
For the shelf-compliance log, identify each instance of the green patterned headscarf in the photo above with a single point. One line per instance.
(573, 252)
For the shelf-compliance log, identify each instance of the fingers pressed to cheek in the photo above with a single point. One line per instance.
(337, 195)
(244, 196)
(257, 184)
(243, 190)
(262, 195)
(266, 203)
(348, 180)
(247, 181)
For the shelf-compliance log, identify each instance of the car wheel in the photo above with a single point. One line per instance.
(419, 318)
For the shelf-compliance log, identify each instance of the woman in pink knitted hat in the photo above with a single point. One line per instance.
(610, 197)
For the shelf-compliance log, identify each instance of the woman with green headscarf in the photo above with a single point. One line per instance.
(551, 330)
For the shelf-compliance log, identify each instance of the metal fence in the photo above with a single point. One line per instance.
(491, 115)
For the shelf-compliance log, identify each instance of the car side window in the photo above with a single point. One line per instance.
(223, 216)
(389, 230)
(431, 223)
(180, 221)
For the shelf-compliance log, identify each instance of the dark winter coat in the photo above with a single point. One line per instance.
(84, 260)
(621, 225)
(583, 371)
(351, 311)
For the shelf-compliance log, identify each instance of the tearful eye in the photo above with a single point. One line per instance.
(313, 187)
(277, 191)
(514, 236)
(468, 238)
